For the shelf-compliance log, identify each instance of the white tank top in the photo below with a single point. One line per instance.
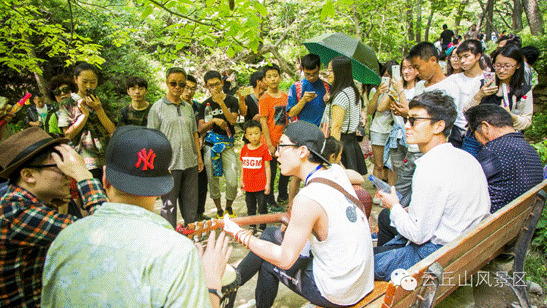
(343, 264)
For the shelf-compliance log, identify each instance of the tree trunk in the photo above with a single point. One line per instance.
(459, 15)
(410, 29)
(429, 20)
(419, 21)
(534, 17)
(489, 17)
(517, 15)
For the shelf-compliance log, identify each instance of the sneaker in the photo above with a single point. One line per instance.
(203, 217)
(231, 212)
(282, 200)
(276, 208)
(220, 214)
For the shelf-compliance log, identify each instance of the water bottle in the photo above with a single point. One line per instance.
(208, 113)
(381, 185)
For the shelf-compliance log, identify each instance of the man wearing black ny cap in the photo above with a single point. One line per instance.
(338, 271)
(125, 254)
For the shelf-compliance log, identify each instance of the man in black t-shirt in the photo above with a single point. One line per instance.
(220, 158)
(446, 37)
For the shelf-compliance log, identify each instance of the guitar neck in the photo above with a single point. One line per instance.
(204, 227)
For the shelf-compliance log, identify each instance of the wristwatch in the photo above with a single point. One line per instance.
(216, 292)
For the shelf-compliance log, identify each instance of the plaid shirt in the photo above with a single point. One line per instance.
(27, 228)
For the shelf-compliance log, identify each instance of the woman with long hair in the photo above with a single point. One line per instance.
(82, 119)
(453, 62)
(518, 99)
(343, 111)
(381, 124)
(396, 147)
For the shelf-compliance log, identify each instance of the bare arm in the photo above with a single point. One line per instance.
(337, 120)
(242, 105)
(266, 132)
(306, 98)
(304, 215)
(94, 102)
(196, 144)
(268, 174)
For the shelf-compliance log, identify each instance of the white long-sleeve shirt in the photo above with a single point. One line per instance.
(449, 197)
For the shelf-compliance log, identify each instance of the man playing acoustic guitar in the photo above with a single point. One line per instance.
(338, 268)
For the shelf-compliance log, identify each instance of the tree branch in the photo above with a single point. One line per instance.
(183, 16)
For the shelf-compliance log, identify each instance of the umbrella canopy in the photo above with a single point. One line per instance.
(364, 62)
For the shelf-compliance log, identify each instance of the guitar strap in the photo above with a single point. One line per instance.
(332, 184)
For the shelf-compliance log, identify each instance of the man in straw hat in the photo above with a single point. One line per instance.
(124, 253)
(39, 169)
(337, 230)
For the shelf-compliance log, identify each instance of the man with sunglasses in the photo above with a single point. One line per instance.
(39, 169)
(449, 189)
(175, 119)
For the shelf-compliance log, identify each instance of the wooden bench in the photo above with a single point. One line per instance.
(508, 230)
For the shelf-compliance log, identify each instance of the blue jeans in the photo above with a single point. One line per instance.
(403, 257)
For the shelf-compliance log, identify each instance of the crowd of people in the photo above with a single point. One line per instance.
(76, 216)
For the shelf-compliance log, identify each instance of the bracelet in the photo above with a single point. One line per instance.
(216, 292)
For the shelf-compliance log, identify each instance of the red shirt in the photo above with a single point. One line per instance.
(275, 110)
(253, 171)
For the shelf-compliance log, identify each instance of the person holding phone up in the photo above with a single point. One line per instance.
(83, 120)
(509, 90)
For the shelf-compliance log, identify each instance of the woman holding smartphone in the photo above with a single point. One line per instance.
(381, 125)
(82, 118)
(510, 90)
(343, 111)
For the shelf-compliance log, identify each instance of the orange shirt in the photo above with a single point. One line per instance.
(275, 111)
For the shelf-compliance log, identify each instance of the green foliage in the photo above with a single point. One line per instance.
(539, 42)
(535, 267)
(26, 29)
(538, 130)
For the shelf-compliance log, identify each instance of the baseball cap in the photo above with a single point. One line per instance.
(308, 134)
(137, 161)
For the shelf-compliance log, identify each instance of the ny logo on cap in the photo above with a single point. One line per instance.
(146, 159)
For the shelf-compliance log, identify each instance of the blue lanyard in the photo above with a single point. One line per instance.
(314, 170)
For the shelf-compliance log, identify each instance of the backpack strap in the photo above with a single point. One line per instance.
(332, 184)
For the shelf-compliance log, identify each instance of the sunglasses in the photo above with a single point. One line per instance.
(174, 84)
(63, 90)
(412, 120)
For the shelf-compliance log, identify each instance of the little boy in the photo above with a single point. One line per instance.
(273, 118)
(255, 175)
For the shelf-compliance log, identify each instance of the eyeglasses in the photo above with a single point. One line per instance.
(412, 120)
(174, 84)
(279, 146)
(214, 85)
(506, 67)
(58, 92)
(42, 166)
(193, 89)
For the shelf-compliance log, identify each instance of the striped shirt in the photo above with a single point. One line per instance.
(346, 100)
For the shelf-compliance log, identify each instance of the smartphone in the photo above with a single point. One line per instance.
(89, 92)
(396, 71)
(3, 102)
(309, 92)
(489, 76)
(385, 80)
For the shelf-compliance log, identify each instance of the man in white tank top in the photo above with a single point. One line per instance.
(339, 271)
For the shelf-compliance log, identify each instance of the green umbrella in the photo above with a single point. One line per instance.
(363, 58)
